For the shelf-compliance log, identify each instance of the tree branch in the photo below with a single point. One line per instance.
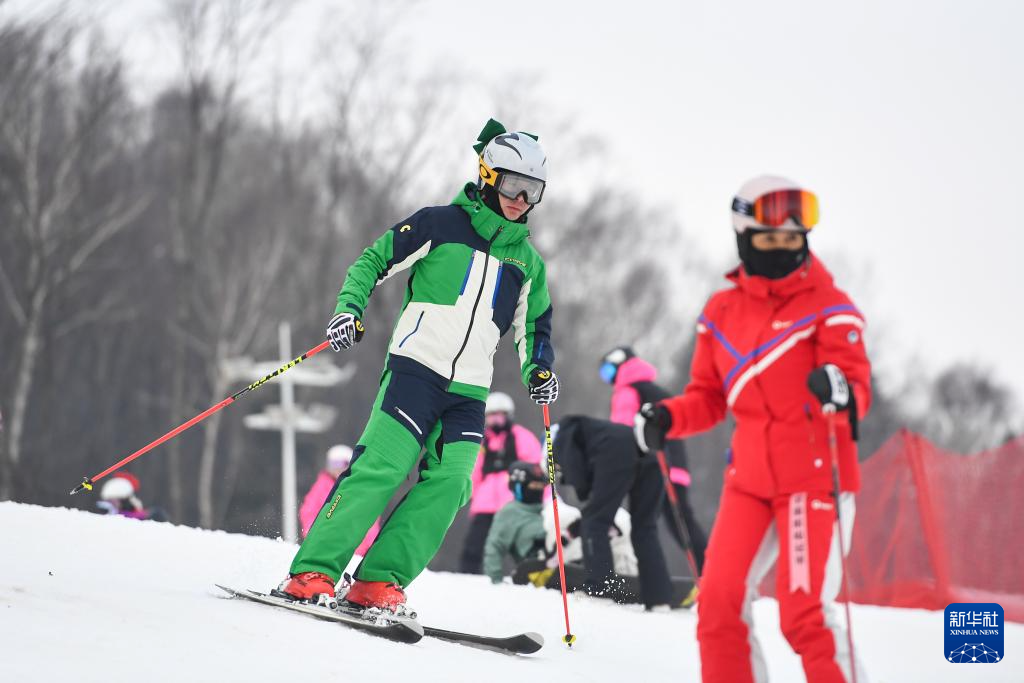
(106, 311)
(17, 310)
(104, 232)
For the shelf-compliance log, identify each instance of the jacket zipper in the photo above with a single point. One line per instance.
(472, 316)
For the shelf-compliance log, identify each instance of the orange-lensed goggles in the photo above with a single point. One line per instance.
(775, 208)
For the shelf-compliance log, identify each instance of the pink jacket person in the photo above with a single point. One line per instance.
(626, 402)
(490, 491)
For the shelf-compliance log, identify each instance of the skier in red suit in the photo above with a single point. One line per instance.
(775, 349)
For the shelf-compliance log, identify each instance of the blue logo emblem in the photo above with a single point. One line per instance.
(974, 633)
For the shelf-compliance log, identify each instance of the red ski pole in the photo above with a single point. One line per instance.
(568, 638)
(833, 447)
(87, 482)
(673, 500)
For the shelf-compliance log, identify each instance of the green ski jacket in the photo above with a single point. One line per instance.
(473, 275)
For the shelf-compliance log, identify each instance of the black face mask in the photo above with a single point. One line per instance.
(772, 264)
(525, 493)
(499, 427)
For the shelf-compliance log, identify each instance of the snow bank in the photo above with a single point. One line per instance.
(92, 598)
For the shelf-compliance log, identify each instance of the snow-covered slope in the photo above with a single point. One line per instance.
(91, 598)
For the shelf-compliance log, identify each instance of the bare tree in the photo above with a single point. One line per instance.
(60, 144)
(968, 410)
(242, 267)
(217, 42)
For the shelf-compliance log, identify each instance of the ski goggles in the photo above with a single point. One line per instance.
(775, 208)
(510, 184)
(608, 372)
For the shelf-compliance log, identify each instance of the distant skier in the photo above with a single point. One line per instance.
(337, 461)
(473, 276)
(518, 528)
(119, 496)
(634, 382)
(504, 443)
(600, 460)
(773, 349)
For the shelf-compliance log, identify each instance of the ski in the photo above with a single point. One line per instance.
(520, 644)
(404, 631)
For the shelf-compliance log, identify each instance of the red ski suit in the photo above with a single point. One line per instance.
(756, 344)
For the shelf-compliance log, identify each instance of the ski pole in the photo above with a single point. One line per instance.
(568, 638)
(833, 447)
(684, 534)
(87, 482)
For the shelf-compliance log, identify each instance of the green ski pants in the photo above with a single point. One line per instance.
(412, 410)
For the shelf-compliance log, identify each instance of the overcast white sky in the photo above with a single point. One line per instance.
(905, 117)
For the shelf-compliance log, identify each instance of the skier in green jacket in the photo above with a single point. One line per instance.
(518, 528)
(473, 276)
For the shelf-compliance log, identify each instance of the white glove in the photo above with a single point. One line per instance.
(543, 386)
(344, 330)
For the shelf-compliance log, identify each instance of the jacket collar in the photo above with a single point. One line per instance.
(809, 276)
(486, 222)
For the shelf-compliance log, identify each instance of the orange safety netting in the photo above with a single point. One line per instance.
(935, 527)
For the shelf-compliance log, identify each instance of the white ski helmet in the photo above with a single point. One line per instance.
(752, 190)
(517, 152)
(499, 402)
(513, 164)
(339, 457)
(117, 489)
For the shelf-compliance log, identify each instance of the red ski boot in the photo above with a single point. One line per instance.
(380, 595)
(306, 586)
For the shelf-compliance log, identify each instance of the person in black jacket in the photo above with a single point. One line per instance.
(634, 383)
(601, 461)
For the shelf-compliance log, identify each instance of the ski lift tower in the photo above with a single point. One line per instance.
(288, 418)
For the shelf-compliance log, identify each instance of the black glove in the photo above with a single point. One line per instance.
(829, 385)
(344, 330)
(651, 425)
(543, 386)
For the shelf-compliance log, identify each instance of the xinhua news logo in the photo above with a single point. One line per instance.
(974, 633)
